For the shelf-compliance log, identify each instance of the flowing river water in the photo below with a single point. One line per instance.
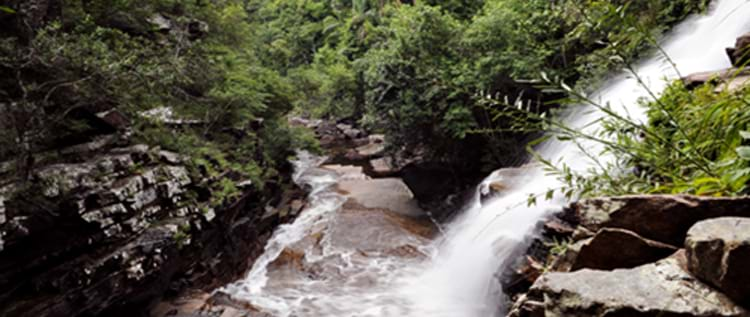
(349, 253)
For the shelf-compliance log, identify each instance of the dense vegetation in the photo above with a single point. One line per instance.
(695, 142)
(419, 71)
(195, 59)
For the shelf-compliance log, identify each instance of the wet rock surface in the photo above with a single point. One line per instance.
(438, 187)
(718, 253)
(355, 231)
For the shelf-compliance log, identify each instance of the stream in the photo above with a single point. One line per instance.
(360, 249)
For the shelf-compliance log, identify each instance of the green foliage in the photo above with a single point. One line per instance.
(6, 9)
(418, 72)
(694, 143)
(410, 79)
(111, 54)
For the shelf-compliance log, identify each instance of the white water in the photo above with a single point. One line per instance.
(457, 278)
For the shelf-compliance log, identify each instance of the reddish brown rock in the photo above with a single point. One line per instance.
(617, 248)
(663, 218)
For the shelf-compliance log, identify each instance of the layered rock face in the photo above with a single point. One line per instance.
(110, 227)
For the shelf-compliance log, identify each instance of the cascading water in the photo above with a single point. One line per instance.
(455, 278)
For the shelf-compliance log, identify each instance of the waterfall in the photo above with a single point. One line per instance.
(456, 278)
(488, 237)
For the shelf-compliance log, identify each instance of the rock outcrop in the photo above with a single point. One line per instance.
(112, 233)
(718, 253)
(616, 261)
(662, 218)
(663, 288)
(108, 227)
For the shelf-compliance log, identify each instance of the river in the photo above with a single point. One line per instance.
(345, 258)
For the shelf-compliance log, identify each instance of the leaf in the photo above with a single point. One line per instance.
(744, 152)
(7, 10)
(531, 201)
(549, 195)
(706, 180)
(745, 135)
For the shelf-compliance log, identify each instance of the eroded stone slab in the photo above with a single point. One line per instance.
(664, 288)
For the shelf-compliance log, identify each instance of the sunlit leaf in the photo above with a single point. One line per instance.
(744, 152)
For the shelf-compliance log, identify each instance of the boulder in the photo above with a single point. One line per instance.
(718, 253)
(371, 150)
(383, 167)
(739, 55)
(663, 288)
(618, 248)
(377, 138)
(663, 218)
(384, 193)
(353, 134)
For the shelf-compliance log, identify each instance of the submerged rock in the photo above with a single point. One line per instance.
(663, 288)
(719, 253)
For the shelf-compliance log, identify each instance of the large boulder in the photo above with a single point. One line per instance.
(390, 194)
(618, 248)
(662, 218)
(719, 253)
(664, 288)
